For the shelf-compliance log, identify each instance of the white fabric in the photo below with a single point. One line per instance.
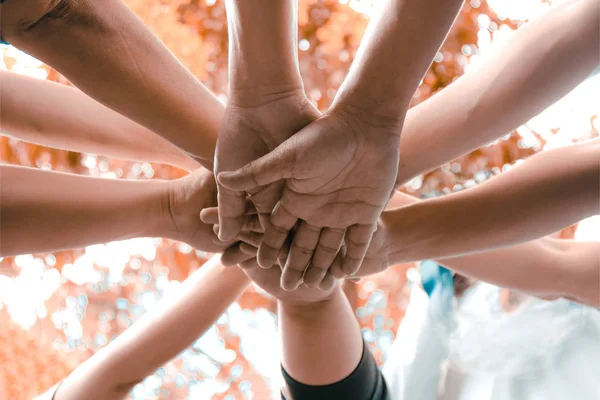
(542, 351)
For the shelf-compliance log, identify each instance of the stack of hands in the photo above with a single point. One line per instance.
(299, 193)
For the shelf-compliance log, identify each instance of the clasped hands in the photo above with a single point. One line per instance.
(300, 189)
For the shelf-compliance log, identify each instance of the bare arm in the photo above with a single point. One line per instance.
(124, 66)
(307, 317)
(561, 48)
(176, 323)
(47, 211)
(406, 30)
(541, 267)
(546, 193)
(62, 117)
(311, 354)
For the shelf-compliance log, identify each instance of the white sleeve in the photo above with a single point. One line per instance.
(413, 368)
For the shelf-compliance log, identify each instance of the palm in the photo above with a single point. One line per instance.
(340, 174)
(247, 134)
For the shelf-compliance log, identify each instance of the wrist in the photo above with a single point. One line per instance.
(373, 118)
(257, 94)
(159, 206)
(410, 239)
(263, 52)
(310, 309)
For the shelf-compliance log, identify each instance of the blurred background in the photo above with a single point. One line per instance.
(57, 309)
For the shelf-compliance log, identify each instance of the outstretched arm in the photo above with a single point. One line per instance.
(45, 211)
(107, 52)
(63, 117)
(561, 48)
(167, 330)
(546, 193)
(542, 267)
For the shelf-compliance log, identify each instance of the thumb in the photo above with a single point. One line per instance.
(277, 165)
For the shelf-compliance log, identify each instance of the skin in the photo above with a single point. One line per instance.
(36, 203)
(310, 354)
(550, 191)
(337, 155)
(113, 371)
(503, 93)
(545, 267)
(76, 122)
(182, 111)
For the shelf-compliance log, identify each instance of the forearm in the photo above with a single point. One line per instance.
(263, 51)
(548, 192)
(545, 266)
(62, 117)
(311, 353)
(504, 93)
(412, 31)
(177, 322)
(124, 66)
(45, 211)
(542, 267)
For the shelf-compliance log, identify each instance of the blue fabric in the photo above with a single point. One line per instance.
(438, 283)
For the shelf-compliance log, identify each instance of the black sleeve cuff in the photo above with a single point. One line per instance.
(364, 383)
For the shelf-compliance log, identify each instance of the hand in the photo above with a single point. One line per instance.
(378, 257)
(186, 197)
(340, 173)
(269, 280)
(247, 248)
(248, 132)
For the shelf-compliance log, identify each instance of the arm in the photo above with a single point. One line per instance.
(176, 323)
(316, 364)
(545, 266)
(503, 93)
(377, 86)
(45, 211)
(352, 149)
(310, 353)
(548, 192)
(62, 117)
(266, 104)
(124, 66)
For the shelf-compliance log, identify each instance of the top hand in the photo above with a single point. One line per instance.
(251, 129)
(340, 173)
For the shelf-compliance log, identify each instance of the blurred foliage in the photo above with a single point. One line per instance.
(196, 32)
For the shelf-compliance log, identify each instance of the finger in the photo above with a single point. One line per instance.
(210, 215)
(266, 200)
(301, 252)
(336, 267)
(277, 231)
(252, 224)
(249, 264)
(234, 255)
(267, 169)
(284, 252)
(358, 238)
(327, 249)
(232, 208)
(328, 282)
(248, 249)
(251, 238)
